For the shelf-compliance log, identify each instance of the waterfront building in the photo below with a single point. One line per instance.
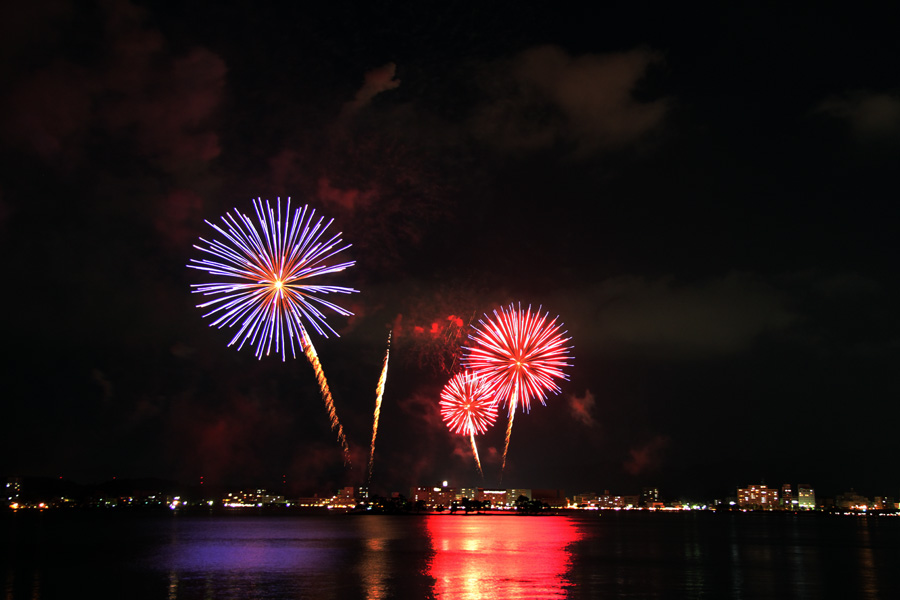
(312, 502)
(550, 497)
(258, 497)
(496, 498)
(851, 501)
(649, 497)
(788, 502)
(631, 501)
(467, 493)
(607, 500)
(515, 493)
(434, 497)
(586, 500)
(806, 497)
(758, 497)
(347, 497)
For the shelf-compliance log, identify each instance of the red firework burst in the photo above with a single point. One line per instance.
(467, 405)
(520, 354)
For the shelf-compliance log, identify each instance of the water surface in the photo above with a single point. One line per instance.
(616, 555)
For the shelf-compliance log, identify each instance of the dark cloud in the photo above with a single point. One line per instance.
(29, 29)
(104, 383)
(870, 115)
(166, 109)
(49, 112)
(544, 96)
(178, 219)
(680, 319)
(345, 200)
(647, 457)
(376, 82)
(422, 423)
(379, 186)
(141, 93)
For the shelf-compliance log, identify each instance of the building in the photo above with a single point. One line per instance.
(649, 497)
(585, 500)
(467, 493)
(806, 497)
(13, 490)
(631, 501)
(257, 498)
(758, 497)
(607, 500)
(512, 495)
(851, 501)
(552, 498)
(494, 497)
(348, 497)
(434, 497)
(312, 502)
(788, 502)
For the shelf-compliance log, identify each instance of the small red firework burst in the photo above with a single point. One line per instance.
(467, 406)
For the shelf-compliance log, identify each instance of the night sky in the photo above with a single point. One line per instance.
(706, 196)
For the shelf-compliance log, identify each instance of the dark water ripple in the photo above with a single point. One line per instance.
(616, 555)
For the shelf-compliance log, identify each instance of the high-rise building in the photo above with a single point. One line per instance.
(649, 496)
(806, 497)
(788, 502)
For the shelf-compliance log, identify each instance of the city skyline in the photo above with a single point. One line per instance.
(35, 492)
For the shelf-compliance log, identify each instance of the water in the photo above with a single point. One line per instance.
(616, 555)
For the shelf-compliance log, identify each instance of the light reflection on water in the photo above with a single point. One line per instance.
(867, 572)
(496, 556)
(184, 557)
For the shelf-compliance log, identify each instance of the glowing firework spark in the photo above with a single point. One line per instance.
(266, 293)
(468, 407)
(520, 354)
(379, 394)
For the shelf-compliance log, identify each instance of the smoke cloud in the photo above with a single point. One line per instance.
(582, 407)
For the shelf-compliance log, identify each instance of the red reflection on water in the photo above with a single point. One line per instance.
(493, 556)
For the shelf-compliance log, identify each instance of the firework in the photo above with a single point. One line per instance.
(468, 407)
(520, 354)
(267, 268)
(266, 292)
(379, 394)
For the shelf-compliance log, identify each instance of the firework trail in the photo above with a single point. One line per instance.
(266, 293)
(520, 354)
(475, 454)
(468, 407)
(379, 394)
(313, 359)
